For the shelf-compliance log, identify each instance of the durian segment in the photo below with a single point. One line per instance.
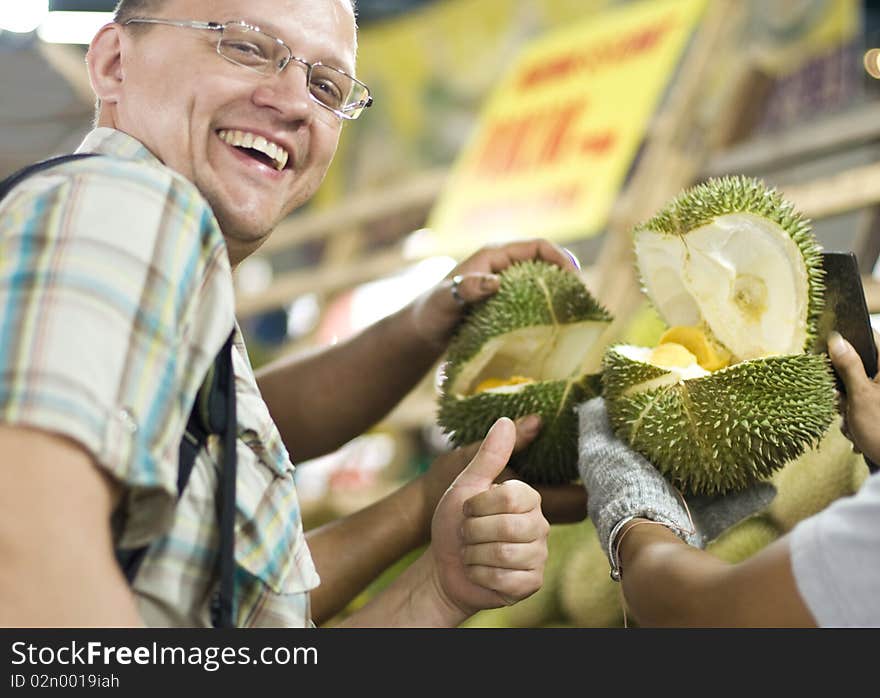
(733, 255)
(638, 376)
(821, 475)
(541, 323)
(549, 459)
(709, 354)
(541, 353)
(724, 430)
(744, 539)
(544, 325)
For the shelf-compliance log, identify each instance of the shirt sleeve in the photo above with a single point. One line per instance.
(115, 294)
(836, 560)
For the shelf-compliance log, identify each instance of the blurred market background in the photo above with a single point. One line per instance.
(497, 119)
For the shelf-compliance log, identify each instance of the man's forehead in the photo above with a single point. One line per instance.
(326, 26)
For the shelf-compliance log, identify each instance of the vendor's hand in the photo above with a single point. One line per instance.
(559, 503)
(860, 406)
(437, 312)
(489, 540)
(621, 485)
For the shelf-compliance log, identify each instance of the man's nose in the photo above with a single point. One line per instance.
(287, 92)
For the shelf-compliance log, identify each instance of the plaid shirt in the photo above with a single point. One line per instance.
(115, 296)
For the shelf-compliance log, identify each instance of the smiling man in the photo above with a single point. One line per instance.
(216, 120)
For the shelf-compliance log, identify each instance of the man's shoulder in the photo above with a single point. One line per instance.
(109, 173)
(113, 192)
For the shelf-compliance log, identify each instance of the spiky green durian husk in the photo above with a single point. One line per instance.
(587, 595)
(702, 204)
(820, 476)
(552, 457)
(744, 540)
(531, 293)
(724, 431)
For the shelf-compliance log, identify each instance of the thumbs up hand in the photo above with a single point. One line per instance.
(488, 540)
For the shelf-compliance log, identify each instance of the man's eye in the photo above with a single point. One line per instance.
(328, 92)
(244, 49)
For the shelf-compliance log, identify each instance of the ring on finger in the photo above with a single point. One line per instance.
(456, 294)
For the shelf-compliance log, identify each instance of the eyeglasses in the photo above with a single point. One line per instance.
(250, 47)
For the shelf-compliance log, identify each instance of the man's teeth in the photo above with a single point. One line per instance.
(249, 140)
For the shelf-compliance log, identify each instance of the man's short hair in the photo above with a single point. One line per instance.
(126, 9)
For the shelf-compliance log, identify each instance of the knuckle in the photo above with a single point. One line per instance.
(505, 553)
(496, 577)
(511, 527)
(507, 494)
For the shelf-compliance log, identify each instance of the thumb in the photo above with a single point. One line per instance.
(492, 457)
(847, 363)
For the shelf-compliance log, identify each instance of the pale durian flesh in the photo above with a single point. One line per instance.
(736, 274)
(741, 275)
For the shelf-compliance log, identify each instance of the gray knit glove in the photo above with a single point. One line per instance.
(622, 485)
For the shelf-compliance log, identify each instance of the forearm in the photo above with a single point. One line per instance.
(62, 592)
(669, 583)
(321, 401)
(350, 553)
(413, 600)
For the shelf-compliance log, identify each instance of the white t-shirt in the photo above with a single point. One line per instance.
(836, 560)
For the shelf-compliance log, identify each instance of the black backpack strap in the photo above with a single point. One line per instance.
(223, 415)
(16, 177)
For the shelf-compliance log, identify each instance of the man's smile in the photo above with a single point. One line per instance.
(256, 146)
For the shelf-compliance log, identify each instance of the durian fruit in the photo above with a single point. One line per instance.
(588, 596)
(810, 483)
(535, 346)
(859, 475)
(489, 618)
(744, 539)
(730, 394)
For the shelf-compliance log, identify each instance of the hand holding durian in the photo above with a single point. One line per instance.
(861, 406)
(726, 399)
(438, 312)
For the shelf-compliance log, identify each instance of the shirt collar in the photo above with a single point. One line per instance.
(109, 141)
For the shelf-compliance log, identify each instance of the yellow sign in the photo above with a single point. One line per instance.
(559, 134)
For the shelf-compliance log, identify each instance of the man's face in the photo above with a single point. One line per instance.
(181, 99)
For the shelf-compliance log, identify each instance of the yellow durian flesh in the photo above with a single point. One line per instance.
(495, 383)
(672, 355)
(709, 354)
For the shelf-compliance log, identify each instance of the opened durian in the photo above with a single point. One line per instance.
(730, 394)
(532, 347)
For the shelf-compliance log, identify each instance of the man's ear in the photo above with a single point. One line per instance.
(104, 61)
